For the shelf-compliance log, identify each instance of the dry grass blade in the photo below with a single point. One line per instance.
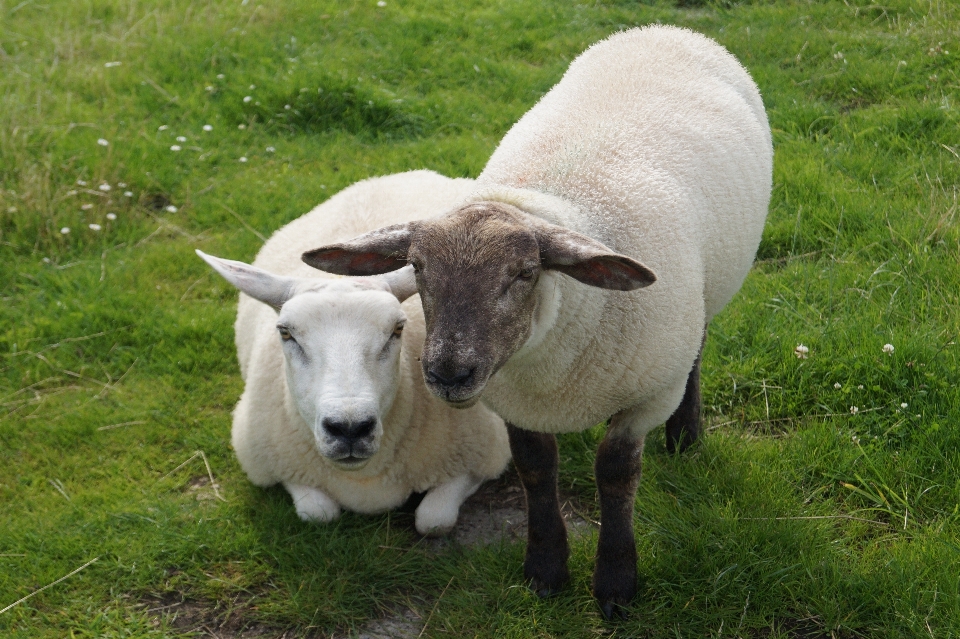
(121, 424)
(49, 585)
(434, 609)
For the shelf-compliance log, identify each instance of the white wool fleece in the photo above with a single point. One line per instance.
(425, 443)
(656, 143)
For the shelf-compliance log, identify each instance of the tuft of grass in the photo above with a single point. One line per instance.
(795, 517)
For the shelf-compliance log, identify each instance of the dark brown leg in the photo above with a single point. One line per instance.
(683, 427)
(617, 471)
(535, 456)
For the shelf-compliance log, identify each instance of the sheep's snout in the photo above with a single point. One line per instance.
(349, 438)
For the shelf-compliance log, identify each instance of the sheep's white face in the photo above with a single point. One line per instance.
(342, 351)
(341, 342)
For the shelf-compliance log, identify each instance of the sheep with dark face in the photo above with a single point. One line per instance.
(334, 405)
(655, 146)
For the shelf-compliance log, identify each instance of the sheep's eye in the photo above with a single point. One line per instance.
(416, 268)
(398, 330)
(284, 333)
(526, 274)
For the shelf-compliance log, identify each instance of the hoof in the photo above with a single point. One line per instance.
(612, 611)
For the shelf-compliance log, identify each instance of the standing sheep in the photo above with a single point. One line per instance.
(334, 406)
(654, 145)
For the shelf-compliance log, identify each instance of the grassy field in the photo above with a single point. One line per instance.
(823, 501)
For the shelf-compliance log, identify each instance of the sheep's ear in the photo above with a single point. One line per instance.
(402, 283)
(270, 289)
(589, 261)
(372, 253)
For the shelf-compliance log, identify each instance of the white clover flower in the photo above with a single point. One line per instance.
(837, 385)
(95, 227)
(65, 230)
(242, 159)
(855, 439)
(241, 126)
(72, 192)
(208, 127)
(209, 87)
(860, 387)
(111, 216)
(904, 405)
(801, 351)
(247, 98)
(838, 55)
(220, 76)
(854, 410)
(888, 348)
(122, 185)
(286, 106)
(175, 147)
(82, 182)
(86, 207)
(104, 187)
(902, 63)
(252, 87)
(381, 3)
(270, 149)
(128, 194)
(170, 209)
(103, 142)
(46, 260)
(181, 138)
(162, 127)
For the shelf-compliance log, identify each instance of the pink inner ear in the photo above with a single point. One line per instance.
(371, 263)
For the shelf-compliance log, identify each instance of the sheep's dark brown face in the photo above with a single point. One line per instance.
(477, 270)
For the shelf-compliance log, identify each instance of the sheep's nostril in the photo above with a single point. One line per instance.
(458, 378)
(334, 428)
(364, 428)
(349, 430)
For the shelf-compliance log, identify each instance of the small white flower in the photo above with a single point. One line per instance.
(208, 127)
(128, 194)
(855, 439)
(82, 182)
(112, 64)
(122, 185)
(209, 87)
(323, 186)
(888, 348)
(104, 187)
(476, 68)
(242, 159)
(111, 216)
(180, 138)
(854, 410)
(252, 87)
(220, 76)
(170, 209)
(95, 227)
(103, 142)
(162, 127)
(381, 3)
(241, 126)
(838, 55)
(904, 405)
(860, 387)
(86, 207)
(71, 192)
(837, 385)
(270, 149)
(175, 147)
(11, 209)
(46, 260)
(65, 230)
(902, 63)
(247, 98)
(286, 106)
(801, 351)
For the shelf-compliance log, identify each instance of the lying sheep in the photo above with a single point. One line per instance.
(654, 145)
(334, 405)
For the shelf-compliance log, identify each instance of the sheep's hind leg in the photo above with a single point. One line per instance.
(437, 513)
(535, 456)
(683, 427)
(617, 470)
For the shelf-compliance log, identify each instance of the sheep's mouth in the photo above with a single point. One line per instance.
(352, 463)
(463, 403)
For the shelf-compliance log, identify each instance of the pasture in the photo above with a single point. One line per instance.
(823, 500)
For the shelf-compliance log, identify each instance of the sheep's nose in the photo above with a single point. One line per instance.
(457, 378)
(349, 430)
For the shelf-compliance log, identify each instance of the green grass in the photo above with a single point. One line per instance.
(793, 516)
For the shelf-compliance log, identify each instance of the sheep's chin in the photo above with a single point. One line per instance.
(350, 463)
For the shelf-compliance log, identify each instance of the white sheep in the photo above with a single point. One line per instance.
(334, 406)
(654, 145)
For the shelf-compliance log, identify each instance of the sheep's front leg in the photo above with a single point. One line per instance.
(617, 471)
(437, 513)
(313, 504)
(535, 456)
(683, 427)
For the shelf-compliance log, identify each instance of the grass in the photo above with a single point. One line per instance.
(795, 517)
